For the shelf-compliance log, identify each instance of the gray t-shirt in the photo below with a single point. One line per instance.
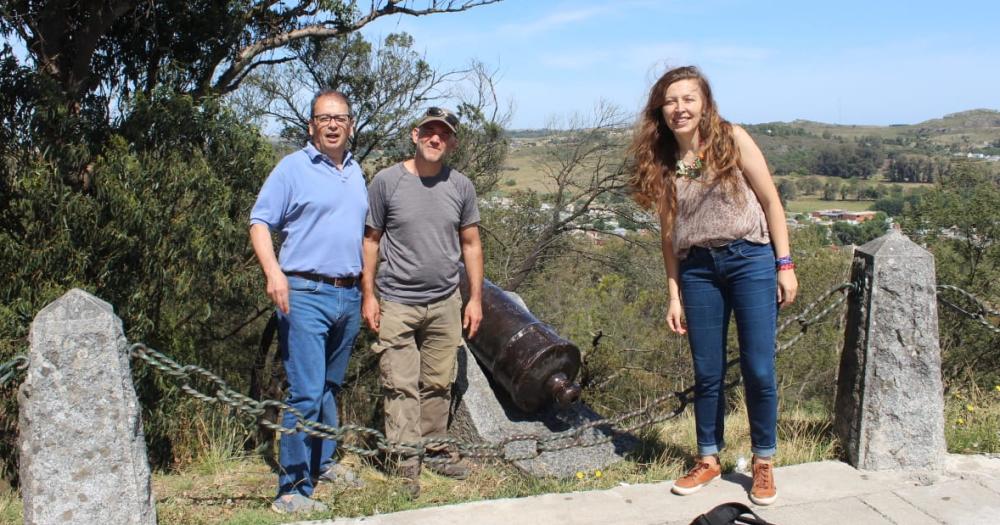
(419, 218)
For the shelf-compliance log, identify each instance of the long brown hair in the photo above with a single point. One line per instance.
(653, 151)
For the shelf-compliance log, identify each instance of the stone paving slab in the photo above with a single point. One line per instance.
(960, 501)
(897, 510)
(815, 493)
(835, 512)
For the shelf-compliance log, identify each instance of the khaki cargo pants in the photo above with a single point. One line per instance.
(418, 347)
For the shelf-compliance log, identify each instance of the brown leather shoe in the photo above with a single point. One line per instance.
(700, 475)
(455, 468)
(763, 491)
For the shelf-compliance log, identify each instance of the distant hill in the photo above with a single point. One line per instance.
(957, 131)
(793, 147)
(973, 128)
(966, 120)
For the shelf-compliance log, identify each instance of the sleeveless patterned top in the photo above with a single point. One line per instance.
(709, 218)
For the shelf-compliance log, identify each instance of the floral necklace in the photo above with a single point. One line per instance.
(693, 170)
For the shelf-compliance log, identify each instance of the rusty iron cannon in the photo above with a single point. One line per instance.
(523, 355)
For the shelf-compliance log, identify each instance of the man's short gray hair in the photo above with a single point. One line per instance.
(329, 93)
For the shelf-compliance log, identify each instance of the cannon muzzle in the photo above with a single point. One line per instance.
(523, 355)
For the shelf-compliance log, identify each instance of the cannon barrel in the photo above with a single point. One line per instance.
(522, 354)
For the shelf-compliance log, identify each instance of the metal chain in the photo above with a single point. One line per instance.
(12, 368)
(513, 448)
(802, 319)
(805, 322)
(980, 316)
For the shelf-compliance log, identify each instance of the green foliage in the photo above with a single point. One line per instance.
(386, 84)
(161, 235)
(849, 160)
(121, 172)
(810, 185)
(787, 190)
(830, 191)
(959, 221)
(896, 204)
(482, 147)
(638, 358)
(846, 233)
(972, 417)
(200, 47)
(917, 168)
(509, 228)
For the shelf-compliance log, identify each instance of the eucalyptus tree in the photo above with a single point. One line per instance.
(200, 47)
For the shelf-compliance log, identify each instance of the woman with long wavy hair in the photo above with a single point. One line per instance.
(725, 248)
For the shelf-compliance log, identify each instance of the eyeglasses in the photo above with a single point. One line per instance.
(324, 119)
(448, 116)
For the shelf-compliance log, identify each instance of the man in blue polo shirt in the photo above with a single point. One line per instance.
(315, 199)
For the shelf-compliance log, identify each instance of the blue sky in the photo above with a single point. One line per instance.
(843, 61)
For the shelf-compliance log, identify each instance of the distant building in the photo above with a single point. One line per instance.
(843, 215)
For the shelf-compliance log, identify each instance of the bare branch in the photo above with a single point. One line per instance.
(327, 29)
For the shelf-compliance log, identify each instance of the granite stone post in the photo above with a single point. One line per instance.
(82, 452)
(890, 399)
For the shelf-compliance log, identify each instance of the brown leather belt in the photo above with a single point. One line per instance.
(339, 282)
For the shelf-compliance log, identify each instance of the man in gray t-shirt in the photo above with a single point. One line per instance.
(422, 219)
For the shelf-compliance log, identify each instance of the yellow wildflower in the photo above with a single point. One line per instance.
(598, 473)
(580, 475)
(969, 407)
(960, 421)
(997, 388)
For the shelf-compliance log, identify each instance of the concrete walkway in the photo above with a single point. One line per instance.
(965, 492)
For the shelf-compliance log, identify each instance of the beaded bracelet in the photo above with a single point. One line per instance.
(784, 263)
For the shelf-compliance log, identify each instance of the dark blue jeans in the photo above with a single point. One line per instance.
(739, 279)
(315, 338)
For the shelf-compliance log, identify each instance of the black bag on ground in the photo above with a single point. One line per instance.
(730, 514)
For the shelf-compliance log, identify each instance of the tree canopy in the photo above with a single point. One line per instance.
(198, 47)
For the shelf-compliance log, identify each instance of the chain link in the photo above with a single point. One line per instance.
(513, 448)
(214, 389)
(210, 388)
(979, 316)
(12, 368)
(805, 322)
(802, 319)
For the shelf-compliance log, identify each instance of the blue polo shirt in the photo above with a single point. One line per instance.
(318, 210)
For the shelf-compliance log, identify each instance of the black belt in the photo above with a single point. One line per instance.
(339, 282)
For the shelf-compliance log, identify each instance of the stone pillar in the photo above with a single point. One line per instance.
(890, 399)
(82, 452)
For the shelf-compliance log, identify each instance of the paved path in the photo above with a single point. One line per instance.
(966, 492)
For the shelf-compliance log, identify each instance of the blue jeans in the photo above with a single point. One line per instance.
(315, 338)
(739, 279)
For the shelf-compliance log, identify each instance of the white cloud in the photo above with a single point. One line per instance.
(657, 57)
(561, 18)
(575, 60)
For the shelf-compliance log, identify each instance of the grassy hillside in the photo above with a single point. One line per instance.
(788, 145)
(957, 130)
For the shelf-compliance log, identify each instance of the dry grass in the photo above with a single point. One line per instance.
(807, 205)
(228, 489)
(523, 168)
(238, 490)
(10, 508)
(803, 436)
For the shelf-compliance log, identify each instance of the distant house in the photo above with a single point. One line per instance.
(843, 215)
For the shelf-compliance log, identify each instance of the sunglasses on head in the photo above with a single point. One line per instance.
(448, 116)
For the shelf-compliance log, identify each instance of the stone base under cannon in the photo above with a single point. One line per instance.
(481, 412)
